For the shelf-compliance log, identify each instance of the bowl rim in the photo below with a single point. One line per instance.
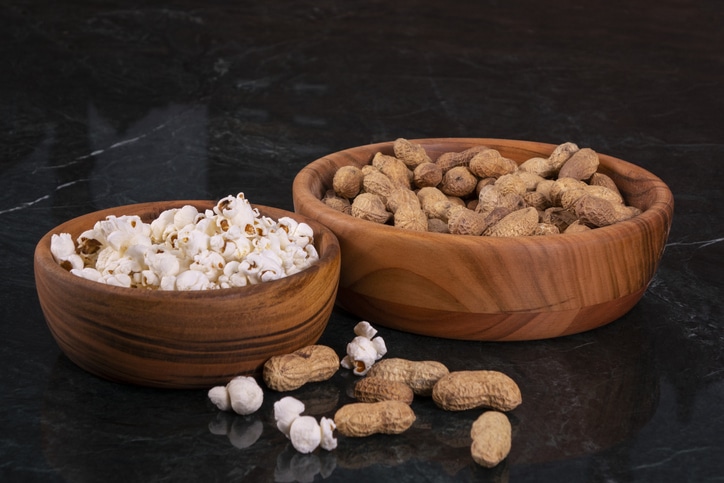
(329, 253)
(661, 206)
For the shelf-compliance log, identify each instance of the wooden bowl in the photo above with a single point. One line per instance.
(194, 339)
(485, 288)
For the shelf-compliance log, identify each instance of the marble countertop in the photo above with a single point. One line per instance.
(105, 103)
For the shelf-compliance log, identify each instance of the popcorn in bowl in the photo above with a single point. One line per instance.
(231, 245)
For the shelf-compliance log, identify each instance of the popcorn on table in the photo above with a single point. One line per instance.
(231, 245)
(364, 350)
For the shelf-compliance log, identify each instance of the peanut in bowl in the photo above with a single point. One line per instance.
(492, 288)
(183, 339)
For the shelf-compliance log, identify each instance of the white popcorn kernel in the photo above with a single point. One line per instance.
(118, 280)
(107, 259)
(364, 350)
(364, 329)
(162, 263)
(245, 394)
(88, 273)
(209, 263)
(379, 344)
(149, 279)
(327, 427)
(286, 410)
(127, 265)
(305, 434)
(184, 216)
(192, 280)
(192, 241)
(62, 246)
(362, 354)
(220, 397)
(168, 282)
(75, 261)
(160, 225)
(346, 362)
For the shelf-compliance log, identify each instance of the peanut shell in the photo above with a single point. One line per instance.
(364, 419)
(374, 389)
(581, 165)
(461, 390)
(347, 181)
(420, 376)
(368, 206)
(491, 164)
(458, 181)
(561, 154)
(447, 161)
(427, 174)
(312, 363)
(492, 438)
(518, 223)
(412, 154)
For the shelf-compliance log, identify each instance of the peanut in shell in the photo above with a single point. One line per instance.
(461, 390)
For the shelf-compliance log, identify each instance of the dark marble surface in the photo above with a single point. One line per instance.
(107, 102)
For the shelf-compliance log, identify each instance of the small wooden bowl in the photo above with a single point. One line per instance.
(194, 339)
(485, 288)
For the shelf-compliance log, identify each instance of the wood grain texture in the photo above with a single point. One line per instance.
(484, 288)
(193, 339)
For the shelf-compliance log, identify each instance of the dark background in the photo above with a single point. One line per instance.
(105, 103)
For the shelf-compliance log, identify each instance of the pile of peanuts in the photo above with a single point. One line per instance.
(481, 192)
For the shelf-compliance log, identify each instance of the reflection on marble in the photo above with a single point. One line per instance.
(584, 397)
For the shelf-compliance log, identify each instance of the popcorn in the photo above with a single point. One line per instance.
(231, 245)
(364, 350)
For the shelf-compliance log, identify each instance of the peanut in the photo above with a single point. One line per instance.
(427, 174)
(364, 419)
(400, 197)
(467, 222)
(411, 154)
(420, 376)
(337, 202)
(378, 183)
(491, 434)
(312, 363)
(393, 168)
(411, 217)
(581, 165)
(461, 390)
(347, 181)
(490, 163)
(458, 181)
(369, 206)
(521, 222)
(375, 389)
(447, 161)
(561, 154)
(540, 166)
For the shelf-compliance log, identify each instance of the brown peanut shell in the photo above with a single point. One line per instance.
(364, 419)
(461, 390)
(312, 363)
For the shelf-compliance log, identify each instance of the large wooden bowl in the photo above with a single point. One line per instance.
(194, 339)
(484, 288)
